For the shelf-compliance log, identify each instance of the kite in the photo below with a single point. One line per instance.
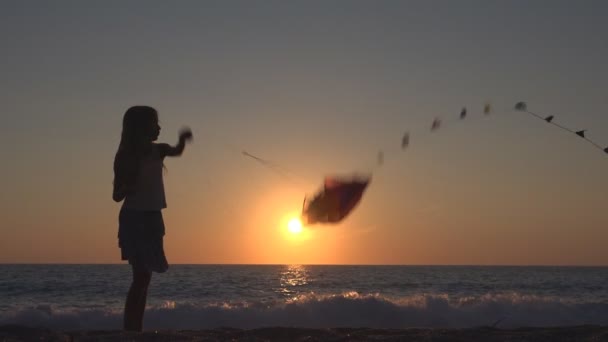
(335, 201)
(339, 196)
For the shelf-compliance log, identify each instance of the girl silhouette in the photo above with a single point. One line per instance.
(138, 180)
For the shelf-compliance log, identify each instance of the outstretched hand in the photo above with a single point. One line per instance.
(185, 134)
(166, 150)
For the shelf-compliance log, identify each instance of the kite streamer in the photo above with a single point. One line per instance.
(523, 107)
(435, 126)
(437, 123)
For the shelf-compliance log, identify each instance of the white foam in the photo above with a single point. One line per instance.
(340, 310)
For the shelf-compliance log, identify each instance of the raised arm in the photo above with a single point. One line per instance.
(166, 150)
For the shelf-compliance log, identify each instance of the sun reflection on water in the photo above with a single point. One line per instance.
(291, 278)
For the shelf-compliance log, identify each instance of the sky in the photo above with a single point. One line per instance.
(318, 87)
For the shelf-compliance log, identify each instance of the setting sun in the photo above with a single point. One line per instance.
(294, 225)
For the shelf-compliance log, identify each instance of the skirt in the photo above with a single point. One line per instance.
(140, 238)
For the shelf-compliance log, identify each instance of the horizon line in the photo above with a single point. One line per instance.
(304, 264)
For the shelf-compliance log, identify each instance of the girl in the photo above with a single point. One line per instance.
(138, 180)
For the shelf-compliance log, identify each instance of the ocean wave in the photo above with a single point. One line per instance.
(510, 310)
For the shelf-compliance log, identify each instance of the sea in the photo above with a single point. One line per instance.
(74, 297)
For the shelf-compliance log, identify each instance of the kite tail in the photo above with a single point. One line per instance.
(437, 123)
(523, 107)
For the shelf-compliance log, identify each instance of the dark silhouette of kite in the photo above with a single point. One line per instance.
(335, 201)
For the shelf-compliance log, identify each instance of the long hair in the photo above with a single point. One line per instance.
(134, 143)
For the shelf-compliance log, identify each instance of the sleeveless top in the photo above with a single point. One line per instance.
(149, 194)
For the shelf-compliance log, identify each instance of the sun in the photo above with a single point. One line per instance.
(294, 225)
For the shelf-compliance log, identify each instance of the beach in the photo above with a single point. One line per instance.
(11, 333)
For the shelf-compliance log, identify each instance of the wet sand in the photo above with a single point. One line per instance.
(578, 333)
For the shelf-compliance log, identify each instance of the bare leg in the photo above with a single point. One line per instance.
(141, 304)
(136, 300)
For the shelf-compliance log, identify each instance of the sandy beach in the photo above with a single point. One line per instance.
(9, 333)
